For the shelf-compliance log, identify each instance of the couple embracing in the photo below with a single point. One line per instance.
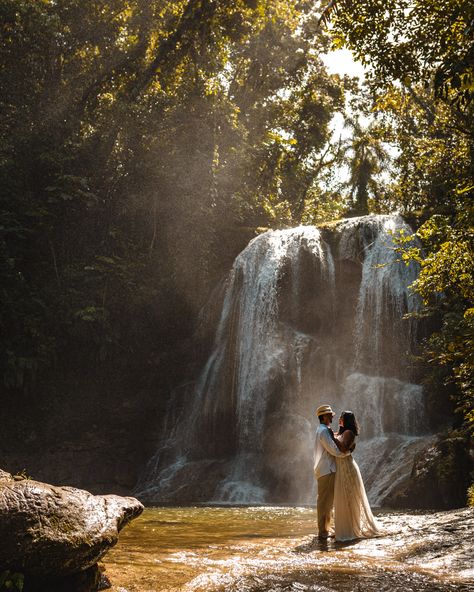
(339, 480)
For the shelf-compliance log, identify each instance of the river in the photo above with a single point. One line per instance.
(274, 549)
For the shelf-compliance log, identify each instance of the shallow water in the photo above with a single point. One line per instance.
(274, 549)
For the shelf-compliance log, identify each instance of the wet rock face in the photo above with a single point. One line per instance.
(194, 488)
(48, 531)
(440, 476)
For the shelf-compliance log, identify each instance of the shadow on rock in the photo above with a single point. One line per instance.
(56, 535)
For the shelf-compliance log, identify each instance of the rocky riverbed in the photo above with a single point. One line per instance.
(250, 549)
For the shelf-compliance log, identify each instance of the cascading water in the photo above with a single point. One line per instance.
(379, 389)
(308, 317)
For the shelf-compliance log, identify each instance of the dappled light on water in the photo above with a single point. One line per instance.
(250, 549)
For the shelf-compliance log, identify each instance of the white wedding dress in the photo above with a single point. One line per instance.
(353, 517)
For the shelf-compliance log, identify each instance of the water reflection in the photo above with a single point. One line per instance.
(275, 549)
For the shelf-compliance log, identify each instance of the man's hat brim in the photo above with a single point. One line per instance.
(324, 410)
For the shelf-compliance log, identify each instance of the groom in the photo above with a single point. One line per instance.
(325, 451)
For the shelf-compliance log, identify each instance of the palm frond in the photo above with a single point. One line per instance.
(327, 12)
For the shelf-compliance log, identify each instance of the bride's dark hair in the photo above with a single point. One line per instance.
(349, 423)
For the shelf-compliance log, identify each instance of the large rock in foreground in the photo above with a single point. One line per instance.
(53, 532)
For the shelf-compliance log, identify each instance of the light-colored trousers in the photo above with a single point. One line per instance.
(325, 502)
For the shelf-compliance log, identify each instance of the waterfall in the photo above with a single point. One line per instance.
(379, 388)
(309, 316)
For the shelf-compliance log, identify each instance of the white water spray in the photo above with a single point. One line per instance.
(295, 332)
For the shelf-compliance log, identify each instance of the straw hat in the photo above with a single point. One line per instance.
(323, 409)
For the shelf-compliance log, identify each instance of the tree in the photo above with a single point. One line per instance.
(365, 155)
(411, 42)
(432, 157)
(138, 137)
(446, 285)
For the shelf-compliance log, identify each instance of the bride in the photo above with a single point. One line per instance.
(353, 517)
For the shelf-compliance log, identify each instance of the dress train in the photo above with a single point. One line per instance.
(353, 517)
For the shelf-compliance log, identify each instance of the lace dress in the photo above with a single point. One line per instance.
(353, 517)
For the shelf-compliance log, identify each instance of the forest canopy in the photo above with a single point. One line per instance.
(137, 137)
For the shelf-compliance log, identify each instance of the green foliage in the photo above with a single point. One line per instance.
(366, 157)
(411, 42)
(470, 496)
(11, 581)
(446, 285)
(419, 60)
(21, 475)
(135, 138)
(433, 156)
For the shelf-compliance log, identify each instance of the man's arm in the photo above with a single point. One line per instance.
(329, 444)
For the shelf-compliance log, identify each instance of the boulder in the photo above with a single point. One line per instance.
(54, 532)
(440, 476)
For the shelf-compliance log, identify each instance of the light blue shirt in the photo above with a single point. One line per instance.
(325, 452)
